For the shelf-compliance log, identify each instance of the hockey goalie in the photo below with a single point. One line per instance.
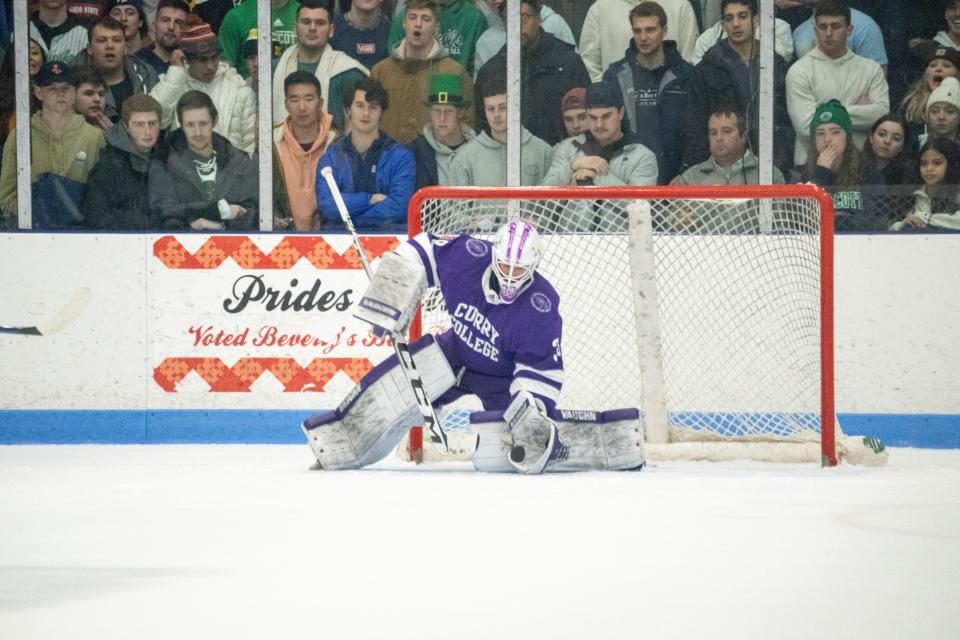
(503, 346)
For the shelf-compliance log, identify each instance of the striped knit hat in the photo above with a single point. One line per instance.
(196, 38)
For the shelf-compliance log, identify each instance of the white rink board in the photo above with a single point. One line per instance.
(146, 320)
(896, 307)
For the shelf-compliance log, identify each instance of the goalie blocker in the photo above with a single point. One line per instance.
(380, 410)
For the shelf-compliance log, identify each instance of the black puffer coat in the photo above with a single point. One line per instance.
(548, 70)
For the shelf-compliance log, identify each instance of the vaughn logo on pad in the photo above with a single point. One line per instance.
(379, 307)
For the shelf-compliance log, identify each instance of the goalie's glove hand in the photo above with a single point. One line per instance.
(536, 440)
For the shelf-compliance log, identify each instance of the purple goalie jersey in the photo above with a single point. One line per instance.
(496, 349)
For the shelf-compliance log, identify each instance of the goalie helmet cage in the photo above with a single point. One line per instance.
(708, 308)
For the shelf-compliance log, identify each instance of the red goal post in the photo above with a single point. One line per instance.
(738, 354)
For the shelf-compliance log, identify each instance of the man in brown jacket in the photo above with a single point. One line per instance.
(406, 73)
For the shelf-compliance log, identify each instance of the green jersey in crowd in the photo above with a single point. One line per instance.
(238, 22)
(459, 27)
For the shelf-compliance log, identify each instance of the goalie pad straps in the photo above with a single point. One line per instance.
(373, 417)
(393, 294)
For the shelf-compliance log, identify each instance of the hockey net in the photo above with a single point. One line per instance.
(708, 308)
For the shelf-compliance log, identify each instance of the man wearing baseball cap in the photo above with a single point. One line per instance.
(64, 149)
(252, 57)
(573, 106)
(434, 149)
(606, 155)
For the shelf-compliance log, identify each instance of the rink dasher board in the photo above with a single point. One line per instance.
(91, 382)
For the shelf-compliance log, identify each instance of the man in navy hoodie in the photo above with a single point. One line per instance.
(653, 79)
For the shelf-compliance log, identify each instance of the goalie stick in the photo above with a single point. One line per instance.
(74, 307)
(430, 420)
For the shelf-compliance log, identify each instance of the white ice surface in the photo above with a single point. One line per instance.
(211, 542)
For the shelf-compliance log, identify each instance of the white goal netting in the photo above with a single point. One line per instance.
(737, 304)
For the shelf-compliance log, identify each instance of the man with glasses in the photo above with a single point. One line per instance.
(549, 68)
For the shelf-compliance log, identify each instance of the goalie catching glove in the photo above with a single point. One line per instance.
(394, 293)
(536, 440)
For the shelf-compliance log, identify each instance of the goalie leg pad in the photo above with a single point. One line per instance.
(594, 440)
(393, 295)
(373, 417)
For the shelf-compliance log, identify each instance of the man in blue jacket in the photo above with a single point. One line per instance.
(375, 173)
(653, 79)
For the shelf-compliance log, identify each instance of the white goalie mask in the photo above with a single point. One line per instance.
(516, 254)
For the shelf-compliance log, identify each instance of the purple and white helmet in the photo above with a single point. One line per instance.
(516, 254)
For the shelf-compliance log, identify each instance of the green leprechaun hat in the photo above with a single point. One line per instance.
(446, 88)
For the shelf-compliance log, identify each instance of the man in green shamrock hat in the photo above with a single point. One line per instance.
(444, 134)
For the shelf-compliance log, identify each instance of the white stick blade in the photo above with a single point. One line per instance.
(74, 307)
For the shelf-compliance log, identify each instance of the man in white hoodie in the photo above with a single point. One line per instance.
(832, 71)
(202, 70)
(335, 70)
(607, 32)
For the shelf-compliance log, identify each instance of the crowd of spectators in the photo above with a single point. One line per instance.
(144, 112)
